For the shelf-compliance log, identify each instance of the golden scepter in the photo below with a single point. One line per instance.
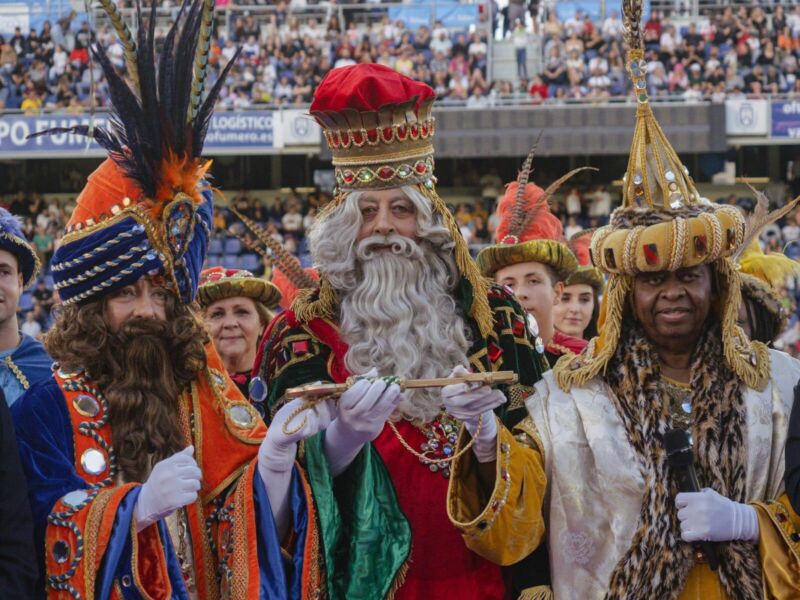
(318, 392)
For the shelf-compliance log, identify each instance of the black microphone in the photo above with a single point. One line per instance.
(681, 462)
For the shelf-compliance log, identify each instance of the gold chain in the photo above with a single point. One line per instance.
(437, 461)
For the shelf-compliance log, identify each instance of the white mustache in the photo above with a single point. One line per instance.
(399, 245)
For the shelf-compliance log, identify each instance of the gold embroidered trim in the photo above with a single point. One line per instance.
(17, 373)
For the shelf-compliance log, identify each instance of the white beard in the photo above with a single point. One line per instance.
(399, 316)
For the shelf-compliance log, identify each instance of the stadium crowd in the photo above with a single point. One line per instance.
(284, 57)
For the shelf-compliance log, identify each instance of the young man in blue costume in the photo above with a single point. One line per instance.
(23, 360)
(150, 476)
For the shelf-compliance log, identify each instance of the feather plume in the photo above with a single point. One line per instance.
(773, 268)
(125, 38)
(201, 57)
(761, 218)
(152, 137)
(518, 213)
(283, 260)
(553, 188)
(579, 244)
(251, 245)
(632, 23)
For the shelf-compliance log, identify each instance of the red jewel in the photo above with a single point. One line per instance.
(420, 167)
(650, 254)
(333, 140)
(424, 130)
(345, 138)
(494, 351)
(357, 138)
(402, 132)
(503, 474)
(414, 132)
(387, 134)
(518, 328)
(300, 347)
(349, 176)
(385, 172)
(495, 506)
(372, 135)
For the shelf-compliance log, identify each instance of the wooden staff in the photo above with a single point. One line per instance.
(315, 392)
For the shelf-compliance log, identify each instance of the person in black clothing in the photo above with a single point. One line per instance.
(19, 573)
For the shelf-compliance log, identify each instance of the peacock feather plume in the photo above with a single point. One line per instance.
(155, 135)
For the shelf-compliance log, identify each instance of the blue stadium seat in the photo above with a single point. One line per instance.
(249, 261)
(213, 260)
(230, 261)
(215, 246)
(233, 245)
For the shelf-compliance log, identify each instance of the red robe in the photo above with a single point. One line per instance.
(440, 566)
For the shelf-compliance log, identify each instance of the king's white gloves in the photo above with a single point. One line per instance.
(173, 483)
(707, 516)
(362, 412)
(467, 402)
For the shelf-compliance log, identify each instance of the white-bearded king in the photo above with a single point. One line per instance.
(400, 296)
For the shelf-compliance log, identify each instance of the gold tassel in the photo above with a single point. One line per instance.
(324, 307)
(399, 578)
(749, 360)
(480, 309)
(539, 592)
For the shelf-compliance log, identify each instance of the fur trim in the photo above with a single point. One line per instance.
(658, 561)
(626, 217)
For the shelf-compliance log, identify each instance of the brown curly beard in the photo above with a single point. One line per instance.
(142, 369)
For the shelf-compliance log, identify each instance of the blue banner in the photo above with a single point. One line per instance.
(230, 132)
(786, 118)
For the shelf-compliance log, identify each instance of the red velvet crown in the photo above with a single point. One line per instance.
(378, 126)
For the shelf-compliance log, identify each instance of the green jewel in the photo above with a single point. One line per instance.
(642, 98)
(365, 176)
(404, 171)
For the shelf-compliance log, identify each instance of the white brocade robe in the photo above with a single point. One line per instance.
(595, 489)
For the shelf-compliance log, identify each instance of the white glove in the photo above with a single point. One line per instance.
(278, 450)
(467, 402)
(363, 411)
(710, 517)
(173, 483)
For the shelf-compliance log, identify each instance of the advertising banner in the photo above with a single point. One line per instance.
(245, 132)
(786, 118)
